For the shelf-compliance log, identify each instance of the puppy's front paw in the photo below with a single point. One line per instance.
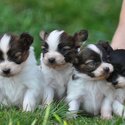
(28, 108)
(44, 106)
(106, 116)
(71, 115)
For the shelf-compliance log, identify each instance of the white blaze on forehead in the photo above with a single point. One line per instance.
(53, 39)
(4, 43)
(94, 48)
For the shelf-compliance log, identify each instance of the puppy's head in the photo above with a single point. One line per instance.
(60, 48)
(14, 51)
(117, 78)
(90, 62)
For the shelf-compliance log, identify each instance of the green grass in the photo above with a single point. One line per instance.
(52, 115)
(100, 17)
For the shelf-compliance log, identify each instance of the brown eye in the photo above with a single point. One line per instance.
(44, 49)
(18, 55)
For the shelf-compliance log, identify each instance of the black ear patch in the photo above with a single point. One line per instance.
(106, 49)
(105, 45)
(25, 40)
(69, 44)
(80, 37)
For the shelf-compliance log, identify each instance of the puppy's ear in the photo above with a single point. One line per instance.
(25, 40)
(105, 45)
(43, 35)
(80, 37)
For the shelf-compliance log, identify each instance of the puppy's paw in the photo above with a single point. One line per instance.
(118, 109)
(71, 115)
(43, 106)
(106, 116)
(27, 109)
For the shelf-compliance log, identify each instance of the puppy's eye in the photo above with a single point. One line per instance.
(45, 50)
(18, 55)
(91, 63)
(66, 48)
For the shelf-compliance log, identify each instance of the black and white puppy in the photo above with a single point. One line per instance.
(59, 49)
(117, 78)
(88, 87)
(20, 77)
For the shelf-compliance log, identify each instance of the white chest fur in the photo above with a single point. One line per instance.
(89, 93)
(25, 88)
(56, 81)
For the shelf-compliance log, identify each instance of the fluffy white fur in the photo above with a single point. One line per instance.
(24, 88)
(53, 40)
(96, 96)
(56, 81)
(56, 75)
(94, 48)
(4, 43)
(118, 103)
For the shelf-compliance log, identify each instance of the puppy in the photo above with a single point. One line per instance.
(88, 87)
(117, 78)
(20, 78)
(59, 49)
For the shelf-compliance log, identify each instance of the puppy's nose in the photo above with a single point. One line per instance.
(106, 69)
(51, 60)
(6, 71)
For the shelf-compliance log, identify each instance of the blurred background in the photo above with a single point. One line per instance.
(100, 17)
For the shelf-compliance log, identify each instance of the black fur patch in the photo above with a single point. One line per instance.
(117, 59)
(1, 56)
(106, 50)
(87, 62)
(67, 47)
(19, 48)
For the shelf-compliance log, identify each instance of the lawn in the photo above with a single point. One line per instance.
(100, 17)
